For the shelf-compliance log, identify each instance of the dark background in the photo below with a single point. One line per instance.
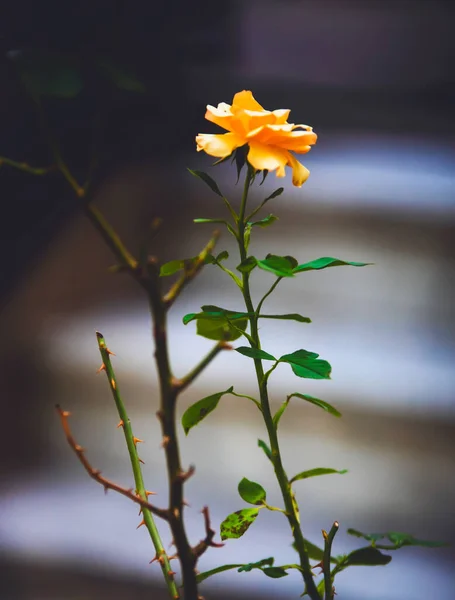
(376, 80)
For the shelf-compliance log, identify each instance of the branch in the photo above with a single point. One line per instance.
(184, 382)
(209, 535)
(23, 166)
(190, 274)
(131, 442)
(328, 539)
(96, 475)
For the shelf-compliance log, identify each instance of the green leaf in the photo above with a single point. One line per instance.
(265, 222)
(397, 538)
(207, 180)
(316, 401)
(314, 552)
(289, 317)
(46, 73)
(201, 576)
(366, 557)
(222, 256)
(274, 572)
(198, 411)
(251, 492)
(307, 364)
(266, 450)
(274, 194)
(279, 413)
(119, 76)
(316, 473)
(171, 267)
(282, 266)
(256, 565)
(237, 523)
(210, 221)
(215, 323)
(405, 539)
(326, 261)
(248, 264)
(254, 353)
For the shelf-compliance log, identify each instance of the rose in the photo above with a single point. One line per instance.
(268, 134)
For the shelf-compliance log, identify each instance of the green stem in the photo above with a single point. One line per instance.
(290, 505)
(131, 443)
(263, 299)
(328, 539)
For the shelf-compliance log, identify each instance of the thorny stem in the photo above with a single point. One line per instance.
(167, 416)
(96, 474)
(131, 443)
(328, 539)
(289, 501)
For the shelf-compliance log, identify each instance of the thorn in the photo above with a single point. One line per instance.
(173, 557)
(185, 503)
(153, 559)
(140, 511)
(160, 415)
(140, 524)
(137, 440)
(319, 566)
(165, 441)
(184, 475)
(171, 573)
(140, 460)
(172, 544)
(113, 384)
(97, 472)
(110, 352)
(216, 544)
(147, 493)
(105, 489)
(66, 413)
(78, 448)
(102, 368)
(121, 423)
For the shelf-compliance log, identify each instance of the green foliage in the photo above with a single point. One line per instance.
(198, 411)
(264, 176)
(274, 572)
(288, 317)
(237, 523)
(265, 222)
(257, 565)
(254, 353)
(282, 266)
(316, 473)
(307, 364)
(247, 265)
(207, 180)
(397, 538)
(251, 492)
(171, 267)
(215, 323)
(279, 413)
(317, 402)
(45, 73)
(327, 261)
(366, 557)
(240, 159)
(266, 450)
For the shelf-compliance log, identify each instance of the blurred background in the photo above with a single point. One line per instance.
(375, 79)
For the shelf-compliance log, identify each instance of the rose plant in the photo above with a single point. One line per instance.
(257, 141)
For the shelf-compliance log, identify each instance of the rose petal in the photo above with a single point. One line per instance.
(246, 100)
(219, 145)
(270, 158)
(299, 173)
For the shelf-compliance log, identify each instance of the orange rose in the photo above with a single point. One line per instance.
(268, 134)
